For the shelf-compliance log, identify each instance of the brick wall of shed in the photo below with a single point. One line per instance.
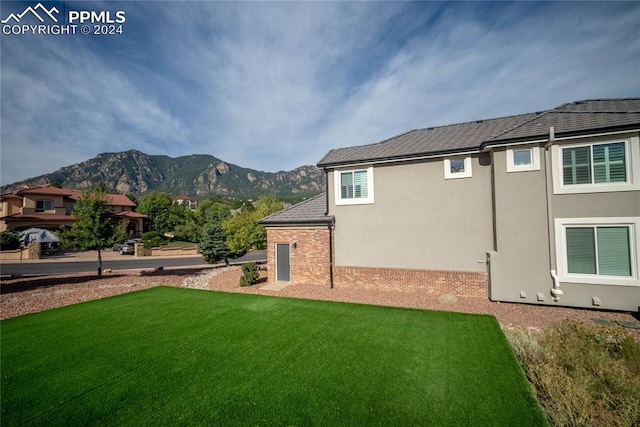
(436, 282)
(309, 260)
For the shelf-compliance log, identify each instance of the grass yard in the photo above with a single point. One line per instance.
(170, 356)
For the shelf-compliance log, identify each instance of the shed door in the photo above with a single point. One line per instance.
(283, 272)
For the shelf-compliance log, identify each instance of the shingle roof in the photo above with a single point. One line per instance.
(312, 211)
(578, 117)
(568, 118)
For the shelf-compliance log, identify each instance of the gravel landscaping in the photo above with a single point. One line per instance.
(19, 296)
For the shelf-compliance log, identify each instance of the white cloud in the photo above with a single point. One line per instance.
(276, 85)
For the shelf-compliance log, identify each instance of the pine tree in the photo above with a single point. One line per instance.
(213, 244)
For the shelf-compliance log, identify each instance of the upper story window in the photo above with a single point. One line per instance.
(354, 187)
(523, 159)
(44, 205)
(72, 206)
(457, 167)
(596, 167)
(594, 164)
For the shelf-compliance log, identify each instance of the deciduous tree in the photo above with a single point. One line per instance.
(157, 206)
(95, 226)
(243, 229)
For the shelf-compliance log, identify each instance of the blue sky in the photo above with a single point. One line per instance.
(275, 85)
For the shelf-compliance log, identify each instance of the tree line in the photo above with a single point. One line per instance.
(222, 229)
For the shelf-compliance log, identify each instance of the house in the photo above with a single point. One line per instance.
(184, 200)
(538, 208)
(51, 207)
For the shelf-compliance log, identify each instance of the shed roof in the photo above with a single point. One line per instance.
(576, 117)
(311, 211)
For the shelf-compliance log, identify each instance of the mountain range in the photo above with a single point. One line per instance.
(197, 175)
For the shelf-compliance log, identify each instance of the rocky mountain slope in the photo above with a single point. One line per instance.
(198, 175)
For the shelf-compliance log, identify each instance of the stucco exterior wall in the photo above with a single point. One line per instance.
(617, 204)
(419, 220)
(521, 261)
(524, 254)
(309, 260)
(29, 206)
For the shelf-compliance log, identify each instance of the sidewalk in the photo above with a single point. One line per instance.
(79, 256)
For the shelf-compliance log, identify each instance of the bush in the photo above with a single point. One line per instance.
(249, 274)
(9, 241)
(153, 239)
(584, 375)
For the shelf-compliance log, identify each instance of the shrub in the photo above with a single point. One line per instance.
(249, 274)
(584, 375)
(9, 240)
(153, 239)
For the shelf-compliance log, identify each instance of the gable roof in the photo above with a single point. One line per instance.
(567, 119)
(311, 211)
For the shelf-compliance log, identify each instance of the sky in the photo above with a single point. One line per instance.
(276, 85)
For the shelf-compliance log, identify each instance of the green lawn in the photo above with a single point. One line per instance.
(169, 356)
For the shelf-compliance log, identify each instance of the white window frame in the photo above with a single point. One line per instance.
(467, 173)
(533, 166)
(632, 159)
(353, 201)
(561, 225)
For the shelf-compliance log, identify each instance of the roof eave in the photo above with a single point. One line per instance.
(545, 136)
(281, 223)
(403, 158)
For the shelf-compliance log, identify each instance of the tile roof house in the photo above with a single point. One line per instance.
(51, 207)
(539, 208)
(184, 200)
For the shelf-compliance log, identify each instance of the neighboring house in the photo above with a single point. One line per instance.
(187, 201)
(540, 208)
(50, 207)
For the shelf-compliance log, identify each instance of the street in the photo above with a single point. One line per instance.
(89, 262)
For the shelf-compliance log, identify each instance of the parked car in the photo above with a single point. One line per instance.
(129, 248)
(117, 246)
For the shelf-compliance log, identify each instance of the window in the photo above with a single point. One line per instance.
(457, 167)
(608, 164)
(596, 167)
(354, 186)
(44, 205)
(72, 206)
(598, 250)
(523, 159)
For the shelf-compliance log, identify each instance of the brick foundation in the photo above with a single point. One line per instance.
(309, 259)
(309, 263)
(461, 283)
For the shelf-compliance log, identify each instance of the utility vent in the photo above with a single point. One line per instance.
(523, 294)
(540, 296)
(595, 301)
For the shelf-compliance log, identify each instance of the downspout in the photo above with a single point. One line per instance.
(326, 213)
(331, 255)
(556, 292)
